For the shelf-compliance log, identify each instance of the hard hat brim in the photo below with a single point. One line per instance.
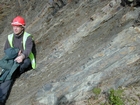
(17, 24)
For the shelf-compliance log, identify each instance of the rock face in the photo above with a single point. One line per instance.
(81, 45)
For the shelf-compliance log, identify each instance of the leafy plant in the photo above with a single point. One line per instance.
(115, 97)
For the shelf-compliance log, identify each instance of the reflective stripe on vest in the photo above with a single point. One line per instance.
(25, 36)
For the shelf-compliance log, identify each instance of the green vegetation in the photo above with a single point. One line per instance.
(121, 96)
(96, 91)
(115, 97)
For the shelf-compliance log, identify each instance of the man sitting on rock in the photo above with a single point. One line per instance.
(18, 57)
(24, 42)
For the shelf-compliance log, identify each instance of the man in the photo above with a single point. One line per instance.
(23, 41)
(21, 45)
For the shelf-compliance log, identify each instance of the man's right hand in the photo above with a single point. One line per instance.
(20, 57)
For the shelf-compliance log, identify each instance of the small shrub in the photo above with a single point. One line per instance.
(115, 97)
(96, 91)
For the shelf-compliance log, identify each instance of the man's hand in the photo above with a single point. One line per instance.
(20, 58)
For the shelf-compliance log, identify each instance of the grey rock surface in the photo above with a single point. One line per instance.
(85, 44)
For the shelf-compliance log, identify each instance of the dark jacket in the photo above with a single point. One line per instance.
(8, 65)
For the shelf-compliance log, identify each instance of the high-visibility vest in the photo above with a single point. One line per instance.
(25, 36)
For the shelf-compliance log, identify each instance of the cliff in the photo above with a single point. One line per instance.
(81, 45)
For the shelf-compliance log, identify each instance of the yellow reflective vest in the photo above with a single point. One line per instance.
(25, 36)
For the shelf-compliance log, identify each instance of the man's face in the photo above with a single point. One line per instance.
(17, 29)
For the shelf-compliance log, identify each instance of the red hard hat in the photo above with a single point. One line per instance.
(18, 21)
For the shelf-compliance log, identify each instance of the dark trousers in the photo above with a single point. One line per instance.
(25, 65)
(5, 88)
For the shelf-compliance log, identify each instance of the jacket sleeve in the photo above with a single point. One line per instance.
(7, 45)
(28, 47)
